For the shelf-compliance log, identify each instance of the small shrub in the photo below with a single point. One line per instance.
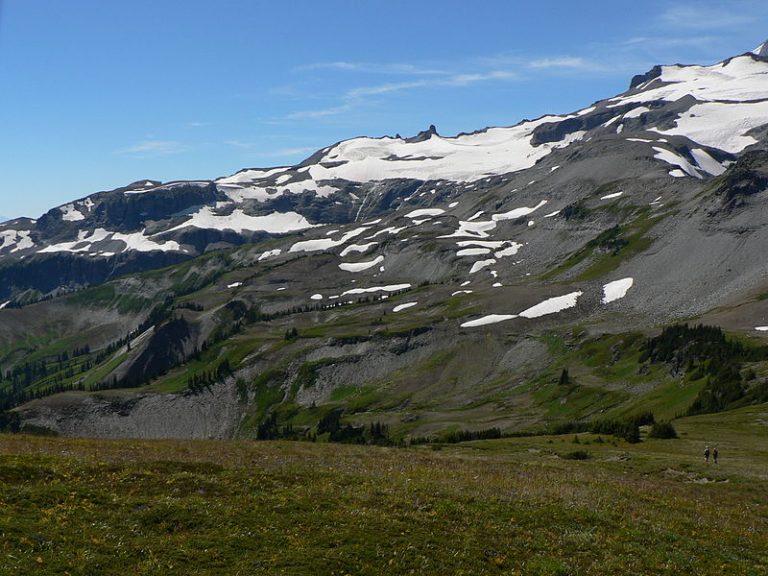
(577, 455)
(663, 430)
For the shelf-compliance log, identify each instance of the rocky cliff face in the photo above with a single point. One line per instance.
(213, 414)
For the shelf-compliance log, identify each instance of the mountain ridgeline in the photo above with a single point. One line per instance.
(406, 289)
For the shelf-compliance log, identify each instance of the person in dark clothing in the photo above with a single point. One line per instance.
(706, 454)
(714, 455)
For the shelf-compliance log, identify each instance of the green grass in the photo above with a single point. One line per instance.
(344, 392)
(108, 296)
(603, 254)
(513, 506)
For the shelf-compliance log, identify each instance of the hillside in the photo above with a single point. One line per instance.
(516, 506)
(417, 287)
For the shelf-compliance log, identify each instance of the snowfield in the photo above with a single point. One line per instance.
(360, 266)
(463, 158)
(391, 288)
(616, 290)
(136, 241)
(486, 320)
(322, 244)
(552, 305)
(238, 221)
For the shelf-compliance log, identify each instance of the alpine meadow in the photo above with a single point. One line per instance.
(536, 349)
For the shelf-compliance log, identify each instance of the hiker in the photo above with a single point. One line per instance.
(714, 455)
(706, 454)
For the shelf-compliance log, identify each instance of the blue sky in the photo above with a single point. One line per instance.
(96, 94)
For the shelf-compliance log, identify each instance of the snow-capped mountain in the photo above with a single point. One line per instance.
(438, 280)
(684, 122)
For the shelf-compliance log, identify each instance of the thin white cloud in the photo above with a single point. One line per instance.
(357, 97)
(568, 62)
(151, 148)
(468, 79)
(321, 113)
(703, 18)
(240, 144)
(671, 41)
(363, 91)
(376, 68)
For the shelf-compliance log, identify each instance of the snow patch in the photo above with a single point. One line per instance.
(326, 243)
(636, 112)
(71, 214)
(706, 162)
(476, 215)
(616, 290)
(136, 241)
(479, 265)
(361, 248)
(250, 175)
(511, 250)
(425, 212)
(722, 125)
(388, 230)
(486, 320)
(473, 252)
(517, 212)
(391, 288)
(18, 239)
(552, 305)
(405, 306)
(472, 230)
(676, 160)
(360, 266)
(270, 254)
(239, 221)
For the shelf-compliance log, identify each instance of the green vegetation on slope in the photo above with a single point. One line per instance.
(538, 506)
(605, 252)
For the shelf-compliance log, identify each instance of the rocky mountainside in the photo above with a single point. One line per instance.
(429, 282)
(692, 120)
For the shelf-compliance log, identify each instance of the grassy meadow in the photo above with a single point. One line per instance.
(510, 506)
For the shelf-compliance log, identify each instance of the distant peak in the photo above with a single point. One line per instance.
(424, 134)
(761, 50)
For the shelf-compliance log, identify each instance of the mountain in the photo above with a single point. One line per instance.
(428, 282)
(693, 119)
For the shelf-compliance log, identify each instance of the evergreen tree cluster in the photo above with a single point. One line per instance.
(705, 352)
(627, 428)
(329, 424)
(200, 382)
